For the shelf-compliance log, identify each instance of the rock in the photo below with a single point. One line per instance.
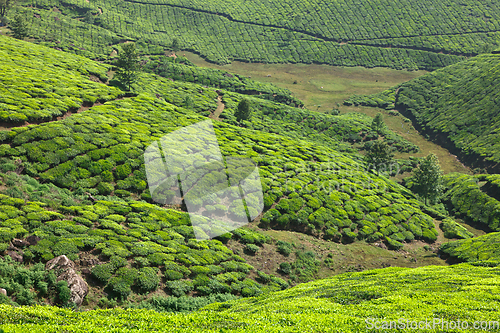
(65, 269)
(3, 292)
(20, 242)
(15, 256)
(33, 240)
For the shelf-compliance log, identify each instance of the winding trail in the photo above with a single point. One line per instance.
(220, 108)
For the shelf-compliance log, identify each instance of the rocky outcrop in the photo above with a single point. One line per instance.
(65, 271)
(3, 292)
(20, 242)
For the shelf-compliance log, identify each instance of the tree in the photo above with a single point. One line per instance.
(5, 5)
(19, 26)
(378, 124)
(379, 156)
(128, 65)
(175, 45)
(427, 179)
(244, 110)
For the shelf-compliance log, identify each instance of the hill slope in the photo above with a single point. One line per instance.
(78, 183)
(346, 33)
(458, 106)
(346, 303)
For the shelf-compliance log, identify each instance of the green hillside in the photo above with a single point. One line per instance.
(481, 251)
(408, 34)
(353, 302)
(457, 106)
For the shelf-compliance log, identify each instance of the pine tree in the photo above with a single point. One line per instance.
(128, 65)
(378, 124)
(379, 156)
(427, 179)
(244, 110)
(19, 26)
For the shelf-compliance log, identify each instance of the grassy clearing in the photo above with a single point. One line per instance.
(338, 83)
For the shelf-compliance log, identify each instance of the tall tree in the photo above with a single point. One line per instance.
(427, 178)
(19, 26)
(175, 45)
(379, 156)
(378, 124)
(5, 5)
(128, 65)
(244, 110)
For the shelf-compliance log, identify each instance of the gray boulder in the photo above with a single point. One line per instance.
(65, 271)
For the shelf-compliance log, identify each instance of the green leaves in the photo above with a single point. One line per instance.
(427, 179)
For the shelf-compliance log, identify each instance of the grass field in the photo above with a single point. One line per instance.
(317, 84)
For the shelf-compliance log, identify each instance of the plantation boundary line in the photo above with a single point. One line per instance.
(321, 37)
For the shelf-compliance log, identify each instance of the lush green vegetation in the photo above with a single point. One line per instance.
(180, 69)
(343, 303)
(456, 104)
(480, 251)
(278, 32)
(41, 84)
(468, 197)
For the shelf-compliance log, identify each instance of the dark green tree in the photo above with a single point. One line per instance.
(378, 124)
(19, 26)
(128, 65)
(244, 110)
(5, 5)
(379, 156)
(175, 45)
(427, 179)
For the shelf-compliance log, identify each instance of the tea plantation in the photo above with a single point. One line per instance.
(404, 35)
(352, 302)
(74, 182)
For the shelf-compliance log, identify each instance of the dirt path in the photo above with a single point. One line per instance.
(220, 108)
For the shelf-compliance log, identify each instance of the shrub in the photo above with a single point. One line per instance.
(393, 244)
(105, 188)
(286, 268)
(148, 279)
(179, 288)
(63, 292)
(251, 248)
(285, 248)
(103, 272)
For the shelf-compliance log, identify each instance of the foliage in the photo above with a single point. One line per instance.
(343, 302)
(128, 65)
(478, 249)
(19, 26)
(454, 230)
(458, 103)
(281, 32)
(379, 156)
(39, 84)
(244, 110)
(378, 124)
(427, 180)
(466, 197)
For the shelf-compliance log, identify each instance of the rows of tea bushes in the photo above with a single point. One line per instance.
(219, 39)
(170, 68)
(468, 44)
(458, 104)
(481, 251)
(353, 302)
(138, 246)
(100, 151)
(466, 196)
(461, 102)
(41, 84)
(337, 131)
(384, 100)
